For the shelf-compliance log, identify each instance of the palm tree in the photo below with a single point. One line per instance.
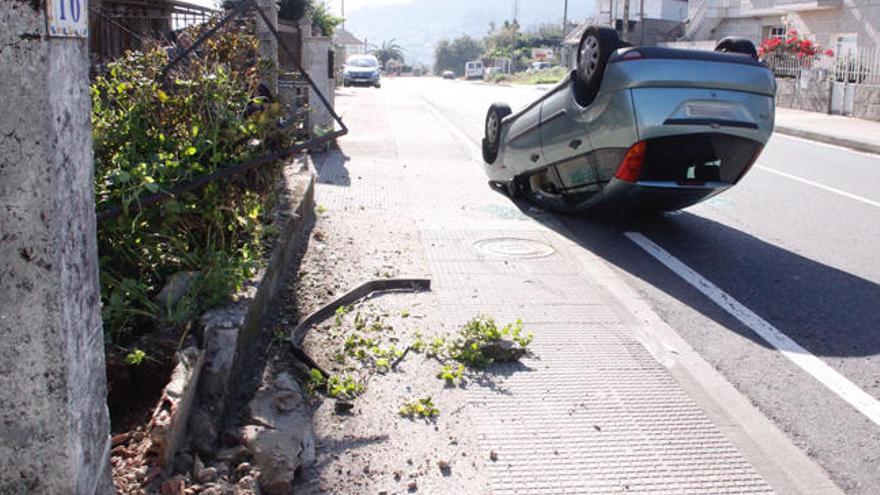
(389, 50)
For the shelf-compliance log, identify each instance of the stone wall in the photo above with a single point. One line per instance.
(54, 424)
(815, 96)
(803, 94)
(316, 62)
(866, 102)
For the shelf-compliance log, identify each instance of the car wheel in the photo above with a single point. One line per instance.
(735, 44)
(597, 44)
(492, 141)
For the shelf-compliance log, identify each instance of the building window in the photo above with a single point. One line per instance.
(846, 43)
(777, 32)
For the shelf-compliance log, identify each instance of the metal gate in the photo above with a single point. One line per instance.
(842, 98)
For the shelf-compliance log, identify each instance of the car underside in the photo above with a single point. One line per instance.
(634, 129)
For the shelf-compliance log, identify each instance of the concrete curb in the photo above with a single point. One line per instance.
(825, 138)
(231, 331)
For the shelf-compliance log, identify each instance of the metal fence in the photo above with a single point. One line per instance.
(859, 66)
(121, 25)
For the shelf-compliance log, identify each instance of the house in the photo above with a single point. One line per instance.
(842, 25)
(640, 22)
(348, 44)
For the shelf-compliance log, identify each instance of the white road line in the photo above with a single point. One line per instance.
(826, 375)
(837, 147)
(820, 186)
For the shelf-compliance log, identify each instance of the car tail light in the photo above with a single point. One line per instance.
(750, 164)
(631, 166)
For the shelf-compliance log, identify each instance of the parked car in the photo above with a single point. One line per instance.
(537, 66)
(494, 70)
(448, 74)
(362, 70)
(473, 70)
(642, 128)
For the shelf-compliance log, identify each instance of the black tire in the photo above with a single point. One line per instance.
(597, 44)
(735, 44)
(492, 139)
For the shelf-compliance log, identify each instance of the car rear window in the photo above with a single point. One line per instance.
(698, 158)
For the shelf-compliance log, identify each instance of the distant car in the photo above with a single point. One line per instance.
(537, 66)
(494, 70)
(474, 70)
(448, 74)
(362, 70)
(635, 129)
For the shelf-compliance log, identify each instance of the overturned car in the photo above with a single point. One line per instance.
(635, 128)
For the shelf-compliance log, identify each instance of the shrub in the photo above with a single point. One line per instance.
(150, 136)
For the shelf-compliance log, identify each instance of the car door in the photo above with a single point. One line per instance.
(523, 143)
(565, 145)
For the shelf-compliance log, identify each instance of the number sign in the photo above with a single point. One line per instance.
(68, 18)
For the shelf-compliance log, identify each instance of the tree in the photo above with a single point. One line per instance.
(453, 55)
(388, 51)
(293, 10)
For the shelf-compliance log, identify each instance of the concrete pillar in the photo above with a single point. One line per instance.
(268, 49)
(54, 425)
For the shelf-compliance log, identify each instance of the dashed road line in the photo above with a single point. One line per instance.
(815, 367)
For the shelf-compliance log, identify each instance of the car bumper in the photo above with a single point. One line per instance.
(621, 196)
(365, 81)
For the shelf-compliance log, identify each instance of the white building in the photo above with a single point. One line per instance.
(348, 44)
(842, 25)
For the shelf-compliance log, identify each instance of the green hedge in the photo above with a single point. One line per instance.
(150, 136)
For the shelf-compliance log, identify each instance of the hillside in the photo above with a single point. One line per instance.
(418, 25)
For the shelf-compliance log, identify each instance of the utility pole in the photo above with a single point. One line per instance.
(625, 16)
(611, 13)
(565, 20)
(343, 13)
(515, 10)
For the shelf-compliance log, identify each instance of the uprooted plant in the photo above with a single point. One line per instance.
(151, 134)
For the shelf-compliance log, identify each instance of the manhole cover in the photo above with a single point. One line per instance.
(511, 247)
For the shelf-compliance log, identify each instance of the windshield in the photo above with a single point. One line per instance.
(368, 62)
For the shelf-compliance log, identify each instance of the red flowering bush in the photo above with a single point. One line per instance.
(793, 45)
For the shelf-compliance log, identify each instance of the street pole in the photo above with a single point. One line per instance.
(626, 16)
(565, 20)
(343, 13)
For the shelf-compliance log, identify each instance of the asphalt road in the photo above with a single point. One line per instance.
(795, 243)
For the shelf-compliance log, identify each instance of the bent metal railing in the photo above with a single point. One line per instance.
(243, 8)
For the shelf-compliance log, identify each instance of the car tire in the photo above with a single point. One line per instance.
(492, 139)
(597, 44)
(735, 44)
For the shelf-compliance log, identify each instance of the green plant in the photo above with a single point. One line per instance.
(323, 18)
(315, 382)
(345, 387)
(339, 315)
(150, 137)
(388, 51)
(419, 408)
(468, 347)
(135, 357)
(452, 375)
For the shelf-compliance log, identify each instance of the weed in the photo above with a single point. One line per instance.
(321, 209)
(419, 408)
(341, 311)
(419, 346)
(467, 348)
(404, 313)
(345, 387)
(453, 376)
(135, 357)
